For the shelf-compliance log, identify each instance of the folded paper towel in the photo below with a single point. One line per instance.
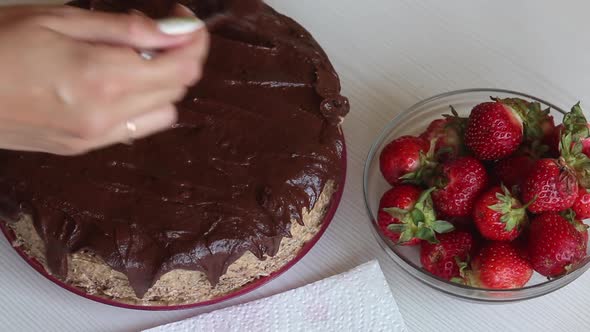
(358, 300)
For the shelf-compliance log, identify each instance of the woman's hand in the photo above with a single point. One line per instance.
(72, 80)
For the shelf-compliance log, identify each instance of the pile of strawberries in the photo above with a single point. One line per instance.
(491, 197)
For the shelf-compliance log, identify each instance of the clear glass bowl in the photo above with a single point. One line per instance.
(413, 121)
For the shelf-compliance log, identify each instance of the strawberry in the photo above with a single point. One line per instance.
(403, 197)
(443, 259)
(556, 182)
(555, 243)
(463, 223)
(570, 216)
(573, 156)
(406, 216)
(407, 157)
(498, 215)
(499, 265)
(448, 133)
(549, 129)
(458, 184)
(582, 204)
(574, 123)
(522, 244)
(573, 139)
(513, 170)
(553, 184)
(494, 131)
(554, 140)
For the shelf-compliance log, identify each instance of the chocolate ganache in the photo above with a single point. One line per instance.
(256, 142)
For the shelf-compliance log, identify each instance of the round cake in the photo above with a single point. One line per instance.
(228, 195)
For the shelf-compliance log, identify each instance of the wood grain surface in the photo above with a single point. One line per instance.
(390, 54)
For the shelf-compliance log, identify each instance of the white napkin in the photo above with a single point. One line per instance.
(357, 300)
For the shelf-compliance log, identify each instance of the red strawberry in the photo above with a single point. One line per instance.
(494, 131)
(463, 223)
(522, 244)
(570, 216)
(403, 197)
(574, 147)
(556, 141)
(406, 216)
(407, 157)
(499, 265)
(573, 138)
(549, 129)
(442, 259)
(459, 182)
(574, 123)
(554, 243)
(498, 215)
(586, 147)
(582, 205)
(552, 184)
(513, 170)
(448, 133)
(573, 156)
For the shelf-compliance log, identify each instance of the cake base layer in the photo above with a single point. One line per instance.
(90, 274)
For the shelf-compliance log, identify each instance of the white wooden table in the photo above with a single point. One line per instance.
(390, 54)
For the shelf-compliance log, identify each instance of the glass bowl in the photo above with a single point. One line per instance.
(414, 121)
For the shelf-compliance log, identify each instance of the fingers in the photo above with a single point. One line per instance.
(113, 85)
(15, 136)
(133, 107)
(124, 67)
(116, 84)
(99, 118)
(190, 59)
(135, 31)
(127, 131)
(132, 129)
(180, 66)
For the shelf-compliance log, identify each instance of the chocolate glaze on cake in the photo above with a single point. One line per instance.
(256, 142)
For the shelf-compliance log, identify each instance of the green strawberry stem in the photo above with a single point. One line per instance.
(575, 123)
(511, 216)
(427, 165)
(536, 150)
(457, 122)
(570, 216)
(419, 221)
(463, 271)
(573, 157)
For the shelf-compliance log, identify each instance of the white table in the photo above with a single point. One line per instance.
(390, 54)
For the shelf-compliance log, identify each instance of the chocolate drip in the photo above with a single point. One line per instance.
(256, 142)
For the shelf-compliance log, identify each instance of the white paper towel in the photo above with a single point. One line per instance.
(358, 300)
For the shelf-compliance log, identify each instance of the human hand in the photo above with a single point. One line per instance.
(72, 80)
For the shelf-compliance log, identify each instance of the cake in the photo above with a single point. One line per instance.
(229, 194)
